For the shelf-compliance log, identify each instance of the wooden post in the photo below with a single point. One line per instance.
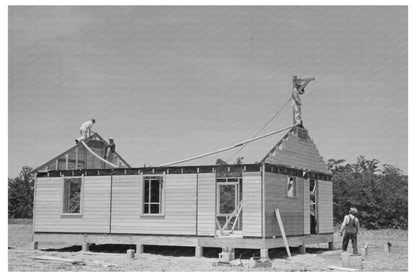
(294, 79)
(85, 247)
(66, 161)
(387, 247)
(34, 245)
(198, 251)
(76, 157)
(264, 253)
(35, 187)
(282, 231)
(263, 200)
(139, 248)
(130, 253)
(364, 250)
(302, 249)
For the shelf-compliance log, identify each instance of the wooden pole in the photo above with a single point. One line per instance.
(66, 161)
(227, 148)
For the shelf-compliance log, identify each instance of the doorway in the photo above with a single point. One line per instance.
(229, 208)
(313, 208)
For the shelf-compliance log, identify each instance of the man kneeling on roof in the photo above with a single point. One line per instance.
(86, 130)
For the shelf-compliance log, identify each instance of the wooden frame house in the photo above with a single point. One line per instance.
(194, 204)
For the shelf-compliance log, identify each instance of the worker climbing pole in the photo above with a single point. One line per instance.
(298, 89)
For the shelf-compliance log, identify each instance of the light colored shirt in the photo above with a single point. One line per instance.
(296, 97)
(87, 125)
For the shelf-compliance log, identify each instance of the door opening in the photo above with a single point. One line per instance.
(313, 210)
(229, 210)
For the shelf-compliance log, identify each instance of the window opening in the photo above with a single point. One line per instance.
(291, 187)
(72, 195)
(152, 202)
(313, 212)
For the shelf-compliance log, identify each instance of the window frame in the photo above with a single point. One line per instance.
(295, 187)
(226, 182)
(81, 197)
(161, 196)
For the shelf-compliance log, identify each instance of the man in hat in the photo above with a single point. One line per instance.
(350, 227)
(86, 130)
(110, 149)
(296, 103)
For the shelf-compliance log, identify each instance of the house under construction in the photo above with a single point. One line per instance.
(82, 200)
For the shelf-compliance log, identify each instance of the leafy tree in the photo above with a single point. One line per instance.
(380, 194)
(220, 162)
(20, 194)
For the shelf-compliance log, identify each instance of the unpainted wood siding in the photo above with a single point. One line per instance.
(325, 207)
(179, 206)
(299, 153)
(206, 204)
(291, 209)
(95, 205)
(252, 206)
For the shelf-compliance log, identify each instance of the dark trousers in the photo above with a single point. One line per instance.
(347, 238)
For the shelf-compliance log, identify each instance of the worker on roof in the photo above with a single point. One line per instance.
(296, 103)
(110, 149)
(351, 227)
(86, 130)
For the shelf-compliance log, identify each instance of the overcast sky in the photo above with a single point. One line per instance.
(172, 82)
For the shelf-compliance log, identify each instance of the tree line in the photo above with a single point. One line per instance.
(379, 192)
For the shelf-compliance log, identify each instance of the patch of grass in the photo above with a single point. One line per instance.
(20, 221)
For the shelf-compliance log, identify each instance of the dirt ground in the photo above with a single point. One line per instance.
(160, 259)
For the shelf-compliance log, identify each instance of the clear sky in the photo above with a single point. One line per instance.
(172, 82)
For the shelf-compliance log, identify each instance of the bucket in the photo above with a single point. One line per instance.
(225, 257)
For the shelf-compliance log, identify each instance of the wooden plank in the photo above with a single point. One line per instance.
(338, 268)
(57, 259)
(76, 157)
(282, 231)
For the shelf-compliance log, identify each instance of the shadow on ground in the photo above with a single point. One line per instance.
(179, 251)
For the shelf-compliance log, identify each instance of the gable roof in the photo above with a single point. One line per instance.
(280, 149)
(72, 150)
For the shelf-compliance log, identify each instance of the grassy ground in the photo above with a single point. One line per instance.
(318, 258)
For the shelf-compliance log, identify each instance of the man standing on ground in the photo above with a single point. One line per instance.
(351, 227)
(85, 130)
